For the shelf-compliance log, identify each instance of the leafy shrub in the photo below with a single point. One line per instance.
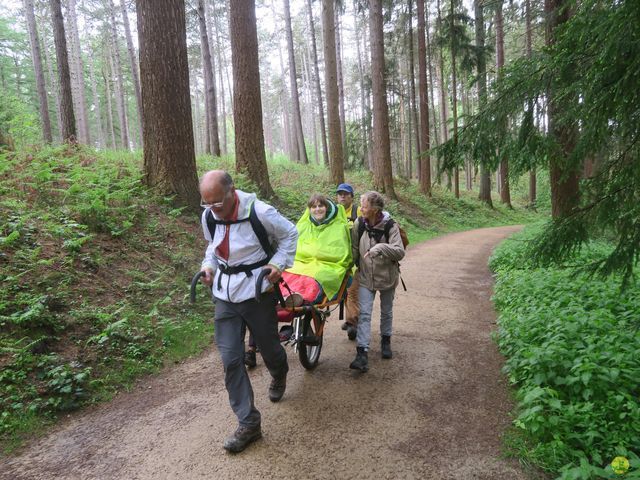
(571, 343)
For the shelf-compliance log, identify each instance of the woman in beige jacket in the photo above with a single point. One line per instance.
(376, 251)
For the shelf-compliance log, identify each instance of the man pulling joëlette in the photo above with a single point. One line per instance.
(233, 260)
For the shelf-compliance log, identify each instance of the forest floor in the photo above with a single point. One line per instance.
(437, 410)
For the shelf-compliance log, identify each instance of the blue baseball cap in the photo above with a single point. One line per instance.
(345, 187)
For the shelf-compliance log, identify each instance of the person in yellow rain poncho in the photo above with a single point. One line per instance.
(324, 245)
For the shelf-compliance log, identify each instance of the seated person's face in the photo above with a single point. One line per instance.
(318, 211)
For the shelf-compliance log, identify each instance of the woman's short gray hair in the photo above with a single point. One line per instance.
(374, 199)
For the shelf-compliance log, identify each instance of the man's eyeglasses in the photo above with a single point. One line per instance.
(214, 205)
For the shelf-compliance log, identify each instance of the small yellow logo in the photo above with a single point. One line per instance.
(620, 465)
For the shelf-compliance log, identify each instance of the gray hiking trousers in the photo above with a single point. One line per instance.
(262, 320)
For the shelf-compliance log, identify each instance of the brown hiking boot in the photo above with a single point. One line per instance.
(241, 438)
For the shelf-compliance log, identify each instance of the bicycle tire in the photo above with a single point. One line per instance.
(310, 343)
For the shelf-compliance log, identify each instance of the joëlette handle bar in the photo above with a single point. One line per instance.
(194, 284)
(276, 290)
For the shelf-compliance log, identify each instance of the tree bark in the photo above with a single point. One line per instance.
(96, 102)
(383, 176)
(343, 125)
(53, 84)
(120, 103)
(454, 101)
(412, 93)
(485, 172)
(169, 156)
(77, 76)
(133, 62)
(247, 104)
(68, 125)
(223, 99)
(295, 96)
(505, 192)
(425, 161)
(431, 81)
(43, 103)
(314, 51)
(363, 101)
(336, 158)
(443, 93)
(528, 52)
(210, 84)
(564, 177)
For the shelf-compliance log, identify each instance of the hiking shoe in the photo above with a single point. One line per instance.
(361, 362)
(277, 388)
(352, 332)
(344, 326)
(241, 438)
(386, 346)
(250, 358)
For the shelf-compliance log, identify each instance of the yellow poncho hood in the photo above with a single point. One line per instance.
(324, 251)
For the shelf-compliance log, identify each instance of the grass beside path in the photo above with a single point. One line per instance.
(95, 271)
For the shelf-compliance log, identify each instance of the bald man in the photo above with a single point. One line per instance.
(234, 257)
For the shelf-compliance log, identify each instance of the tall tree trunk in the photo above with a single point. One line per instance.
(412, 93)
(431, 81)
(363, 102)
(207, 111)
(77, 76)
(311, 111)
(169, 155)
(96, 102)
(43, 104)
(223, 97)
(528, 52)
(289, 143)
(564, 177)
(383, 177)
(454, 101)
(68, 124)
(443, 94)
(425, 161)
(107, 87)
(295, 96)
(120, 103)
(210, 84)
(505, 192)
(197, 137)
(485, 172)
(133, 62)
(336, 158)
(247, 105)
(343, 124)
(314, 51)
(53, 84)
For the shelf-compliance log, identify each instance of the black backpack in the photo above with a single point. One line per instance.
(256, 224)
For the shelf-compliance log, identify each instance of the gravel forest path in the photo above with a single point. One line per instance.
(437, 410)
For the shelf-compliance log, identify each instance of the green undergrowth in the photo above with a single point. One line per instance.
(571, 343)
(95, 271)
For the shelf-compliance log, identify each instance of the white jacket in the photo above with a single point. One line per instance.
(245, 248)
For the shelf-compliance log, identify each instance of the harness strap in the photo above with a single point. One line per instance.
(232, 270)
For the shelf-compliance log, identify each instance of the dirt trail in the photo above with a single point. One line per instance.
(435, 411)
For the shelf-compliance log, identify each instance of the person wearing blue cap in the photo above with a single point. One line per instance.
(345, 197)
